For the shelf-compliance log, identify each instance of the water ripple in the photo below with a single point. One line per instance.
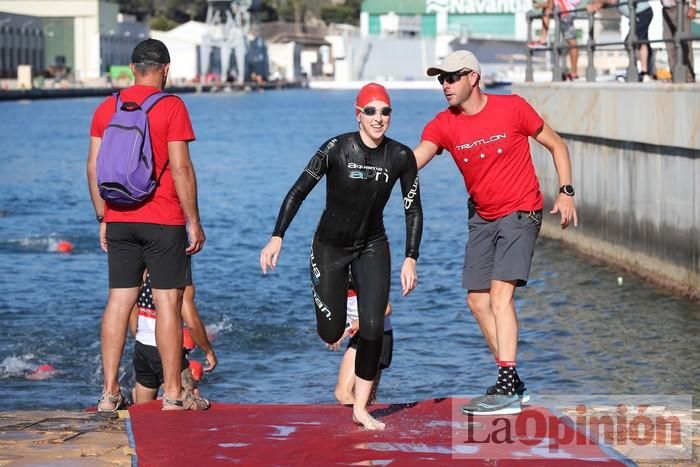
(581, 333)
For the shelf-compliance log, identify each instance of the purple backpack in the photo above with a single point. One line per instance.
(125, 165)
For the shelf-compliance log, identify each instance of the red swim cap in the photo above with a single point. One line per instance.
(371, 92)
(44, 368)
(196, 369)
(187, 341)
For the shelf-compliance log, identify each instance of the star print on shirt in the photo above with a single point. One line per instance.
(145, 300)
(482, 148)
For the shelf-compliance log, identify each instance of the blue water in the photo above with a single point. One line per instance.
(581, 332)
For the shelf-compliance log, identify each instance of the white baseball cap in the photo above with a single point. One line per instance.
(456, 61)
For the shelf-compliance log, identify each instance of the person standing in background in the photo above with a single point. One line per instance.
(148, 368)
(153, 234)
(643, 15)
(345, 386)
(670, 16)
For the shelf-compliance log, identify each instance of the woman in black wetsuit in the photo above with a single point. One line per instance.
(361, 168)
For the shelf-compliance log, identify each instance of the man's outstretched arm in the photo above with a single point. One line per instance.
(424, 153)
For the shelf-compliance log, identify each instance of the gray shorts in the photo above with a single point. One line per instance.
(500, 249)
(567, 28)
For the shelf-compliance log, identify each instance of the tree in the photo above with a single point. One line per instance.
(163, 13)
(162, 23)
(142, 9)
(347, 13)
(179, 11)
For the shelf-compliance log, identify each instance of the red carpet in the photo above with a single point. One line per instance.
(428, 432)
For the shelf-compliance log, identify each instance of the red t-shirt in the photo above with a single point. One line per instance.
(168, 121)
(492, 151)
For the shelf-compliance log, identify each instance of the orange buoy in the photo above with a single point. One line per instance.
(196, 369)
(64, 246)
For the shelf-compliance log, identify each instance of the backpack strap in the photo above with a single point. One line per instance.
(120, 105)
(146, 106)
(117, 101)
(153, 99)
(162, 172)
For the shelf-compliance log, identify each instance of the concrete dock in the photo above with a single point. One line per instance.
(635, 153)
(64, 438)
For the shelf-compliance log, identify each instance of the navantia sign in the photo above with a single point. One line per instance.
(477, 6)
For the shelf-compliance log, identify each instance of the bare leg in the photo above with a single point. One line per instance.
(644, 58)
(669, 15)
(479, 302)
(344, 387)
(359, 410)
(115, 321)
(573, 56)
(545, 25)
(143, 394)
(503, 307)
(169, 338)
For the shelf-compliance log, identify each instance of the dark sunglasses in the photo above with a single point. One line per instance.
(453, 77)
(371, 111)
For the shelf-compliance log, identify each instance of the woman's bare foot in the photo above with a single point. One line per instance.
(362, 417)
(344, 397)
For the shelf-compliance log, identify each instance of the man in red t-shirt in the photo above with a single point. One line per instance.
(151, 235)
(487, 136)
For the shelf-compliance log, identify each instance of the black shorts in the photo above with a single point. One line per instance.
(641, 29)
(134, 246)
(387, 348)
(148, 366)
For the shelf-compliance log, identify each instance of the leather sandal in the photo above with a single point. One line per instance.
(187, 380)
(110, 402)
(187, 401)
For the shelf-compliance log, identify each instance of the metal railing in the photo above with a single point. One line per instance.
(560, 47)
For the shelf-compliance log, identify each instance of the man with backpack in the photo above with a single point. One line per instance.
(144, 191)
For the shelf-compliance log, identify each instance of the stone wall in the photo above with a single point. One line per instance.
(635, 151)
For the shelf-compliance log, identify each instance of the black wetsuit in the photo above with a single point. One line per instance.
(351, 233)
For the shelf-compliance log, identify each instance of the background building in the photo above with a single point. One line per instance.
(21, 43)
(296, 54)
(185, 44)
(83, 36)
(500, 19)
